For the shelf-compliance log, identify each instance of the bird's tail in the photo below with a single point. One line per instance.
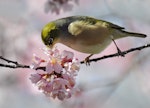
(134, 34)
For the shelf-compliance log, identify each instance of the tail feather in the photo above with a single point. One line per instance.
(134, 34)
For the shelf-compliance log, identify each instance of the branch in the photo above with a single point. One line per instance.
(117, 54)
(14, 64)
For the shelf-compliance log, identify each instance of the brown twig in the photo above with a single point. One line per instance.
(117, 54)
(14, 64)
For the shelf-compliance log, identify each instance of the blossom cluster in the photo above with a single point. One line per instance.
(57, 80)
(56, 5)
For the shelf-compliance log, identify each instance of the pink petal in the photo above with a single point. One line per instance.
(49, 68)
(57, 84)
(67, 54)
(57, 67)
(55, 53)
(75, 67)
(42, 84)
(61, 95)
(69, 94)
(65, 76)
(36, 58)
(34, 65)
(35, 78)
(48, 88)
(60, 84)
(70, 79)
(36, 62)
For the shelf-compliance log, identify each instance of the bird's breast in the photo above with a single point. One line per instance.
(91, 48)
(90, 41)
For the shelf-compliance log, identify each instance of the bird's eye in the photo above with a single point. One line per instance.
(50, 41)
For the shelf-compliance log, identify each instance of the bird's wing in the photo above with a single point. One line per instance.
(111, 25)
(78, 26)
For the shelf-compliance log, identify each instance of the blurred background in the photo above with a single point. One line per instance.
(110, 83)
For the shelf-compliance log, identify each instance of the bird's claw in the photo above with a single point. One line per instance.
(120, 53)
(87, 60)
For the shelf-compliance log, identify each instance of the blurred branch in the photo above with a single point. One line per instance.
(15, 64)
(12, 64)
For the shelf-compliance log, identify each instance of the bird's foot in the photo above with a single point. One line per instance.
(87, 60)
(120, 53)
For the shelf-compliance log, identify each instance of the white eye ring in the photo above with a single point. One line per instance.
(50, 41)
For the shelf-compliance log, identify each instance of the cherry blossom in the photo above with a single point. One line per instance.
(58, 78)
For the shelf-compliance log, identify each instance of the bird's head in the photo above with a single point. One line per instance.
(50, 34)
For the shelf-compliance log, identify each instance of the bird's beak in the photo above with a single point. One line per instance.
(50, 46)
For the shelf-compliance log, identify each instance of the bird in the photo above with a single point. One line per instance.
(84, 34)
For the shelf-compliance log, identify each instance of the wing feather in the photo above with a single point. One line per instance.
(87, 23)
(116, 26)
